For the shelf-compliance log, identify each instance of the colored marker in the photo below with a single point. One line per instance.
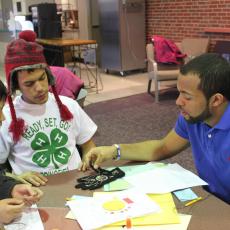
(128, 223)
(193, 201)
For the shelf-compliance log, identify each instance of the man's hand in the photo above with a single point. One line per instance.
(10, 209)
(33, 178)
(97, 155)
(27, 193)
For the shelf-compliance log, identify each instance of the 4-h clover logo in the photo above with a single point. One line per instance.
(50, 150)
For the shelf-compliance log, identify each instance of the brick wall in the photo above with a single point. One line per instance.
(177, 19)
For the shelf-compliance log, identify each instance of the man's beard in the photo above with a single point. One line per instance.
(200, 118)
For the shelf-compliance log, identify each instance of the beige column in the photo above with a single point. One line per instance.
(84, 19)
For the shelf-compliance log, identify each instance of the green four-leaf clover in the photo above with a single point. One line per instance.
(53, 150)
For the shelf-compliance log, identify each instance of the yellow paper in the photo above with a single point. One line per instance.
(185, 219)
(167, 215)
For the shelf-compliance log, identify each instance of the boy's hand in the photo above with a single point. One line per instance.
(33, 178)
(10, 209)
(27, 193)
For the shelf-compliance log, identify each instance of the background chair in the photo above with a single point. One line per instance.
(157, 74)
(192, 47)
(92, 69)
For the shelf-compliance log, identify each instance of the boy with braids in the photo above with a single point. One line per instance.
(41, 130)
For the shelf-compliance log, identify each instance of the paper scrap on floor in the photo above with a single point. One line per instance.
(30, 219)
(105, 210)
(164, 179)
(185, 219)
(167, 215)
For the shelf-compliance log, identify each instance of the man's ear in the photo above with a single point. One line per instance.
(216, 100)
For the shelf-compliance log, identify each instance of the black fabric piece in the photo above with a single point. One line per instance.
(99, 179)
(6, 186)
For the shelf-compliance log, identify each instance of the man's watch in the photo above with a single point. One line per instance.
(118, 156)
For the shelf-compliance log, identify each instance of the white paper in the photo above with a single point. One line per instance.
(91, 215)
(165, 179)
(29, 220)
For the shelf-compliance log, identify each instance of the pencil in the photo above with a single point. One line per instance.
(193, 201)
(69, 199)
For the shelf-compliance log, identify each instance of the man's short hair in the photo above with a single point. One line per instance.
(214, 73)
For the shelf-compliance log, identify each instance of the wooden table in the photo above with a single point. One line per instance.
(60, 51)
(54, 49)
(62, 42)
(209, 214)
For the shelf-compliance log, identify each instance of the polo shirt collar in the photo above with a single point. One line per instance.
(224, 122)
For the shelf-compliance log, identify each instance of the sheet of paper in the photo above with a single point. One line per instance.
(117, 185)
(167, 215)
(185, 194)
(30, 219)
(185, 219)
(77, 197)
(107, 209)
(164, 179)
(70, 216)
(130, 170)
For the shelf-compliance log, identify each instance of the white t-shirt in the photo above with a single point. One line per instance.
(48, 144)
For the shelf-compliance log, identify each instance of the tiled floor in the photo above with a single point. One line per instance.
(117, 86)
(113, 85)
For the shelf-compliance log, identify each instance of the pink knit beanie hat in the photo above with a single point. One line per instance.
(21, 54)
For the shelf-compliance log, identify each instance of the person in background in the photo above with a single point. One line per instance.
(204, 95)
(66, 82)
(41, 129)
(14, 196)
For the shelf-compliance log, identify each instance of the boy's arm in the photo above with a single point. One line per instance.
(6, 186)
